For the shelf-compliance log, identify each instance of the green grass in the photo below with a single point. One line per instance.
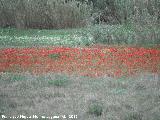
(59, 81)
(105, 34)
(54, 56)
(17, 78)
(14, 77)
(11, 37)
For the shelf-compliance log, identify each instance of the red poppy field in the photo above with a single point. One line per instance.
(91, 61)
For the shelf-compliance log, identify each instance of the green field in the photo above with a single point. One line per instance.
(80, 59)
(108, 34)
(28, 38)
(103, 98)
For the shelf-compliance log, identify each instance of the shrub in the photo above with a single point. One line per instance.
(128, 34)
(122, 11)
(95, 108)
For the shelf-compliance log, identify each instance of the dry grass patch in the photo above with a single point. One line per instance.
(100, 98)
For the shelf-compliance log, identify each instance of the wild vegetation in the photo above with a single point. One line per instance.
(53, 14)
(80, 59)
(93, 62)
(133, 22)
(134, 98)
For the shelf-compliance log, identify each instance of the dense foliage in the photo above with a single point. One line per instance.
(120, 11)
(76, 13)
(43, 13)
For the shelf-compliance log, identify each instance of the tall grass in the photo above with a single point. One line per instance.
(55, 14)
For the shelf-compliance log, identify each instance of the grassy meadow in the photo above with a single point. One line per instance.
(103, 98)
(134, 97)
(99, 34)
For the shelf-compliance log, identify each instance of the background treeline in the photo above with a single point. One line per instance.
(122, 11)
(43, 13)
(57, 14)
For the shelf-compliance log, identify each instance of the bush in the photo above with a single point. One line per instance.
(122, 11)
(95, 108)
(43, 13)
(127, 34)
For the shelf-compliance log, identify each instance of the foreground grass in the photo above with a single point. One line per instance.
(104, 98)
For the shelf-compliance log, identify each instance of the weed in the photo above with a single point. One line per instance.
(54, 56)
(17, 77)
(133, 116)
(58, 94)
(140, 87)
(12, 105)
(156, 116)
(60, 81)
(95, 108)
(119, 91)
(112, 108)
